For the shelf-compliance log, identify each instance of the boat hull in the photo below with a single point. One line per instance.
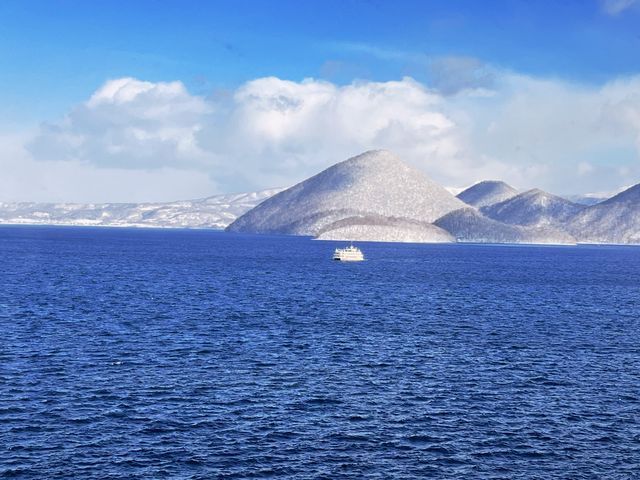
(349, 254)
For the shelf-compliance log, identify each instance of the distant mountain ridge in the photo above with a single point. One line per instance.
(587, 200)
(216, 211)
(469, 225)
(533, 208)
(374, 196)
(616, 220)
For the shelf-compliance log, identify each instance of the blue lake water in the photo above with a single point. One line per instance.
(195, 354)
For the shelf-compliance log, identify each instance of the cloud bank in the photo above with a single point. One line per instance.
(128, 123)
(474, 122)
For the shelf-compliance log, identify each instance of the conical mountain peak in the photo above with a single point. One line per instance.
(487, 193)
(374, 184)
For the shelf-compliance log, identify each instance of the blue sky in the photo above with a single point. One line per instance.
(56, 54)
(73, 46)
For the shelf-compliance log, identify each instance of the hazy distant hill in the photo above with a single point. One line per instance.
(374, 184)
(469, 225)
(587, 199)
(616, 220)
(533, 207)
(487, 193)
(212, 212)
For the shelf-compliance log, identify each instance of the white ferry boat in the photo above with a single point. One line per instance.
(348, 254)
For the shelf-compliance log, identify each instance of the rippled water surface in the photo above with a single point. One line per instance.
(194, 354)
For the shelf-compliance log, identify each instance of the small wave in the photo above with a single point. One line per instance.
(281, 435)
(423, 439)
(323, 401)
(357, 418)
(351, 438)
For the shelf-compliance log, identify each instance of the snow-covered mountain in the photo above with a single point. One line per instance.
(383, 229)
(616, 220)
(533, 208)
(374, 184)
(371, 197)
(212, 212)
(487, 193)
(469, 225)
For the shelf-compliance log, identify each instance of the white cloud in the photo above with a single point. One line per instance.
(128, 123)
(615, 7)
(454, 74)
(555, 126)
(24, 179)
(268, 132)
(381, 53)
(272, 132)
(585, 168)
(286, 130)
